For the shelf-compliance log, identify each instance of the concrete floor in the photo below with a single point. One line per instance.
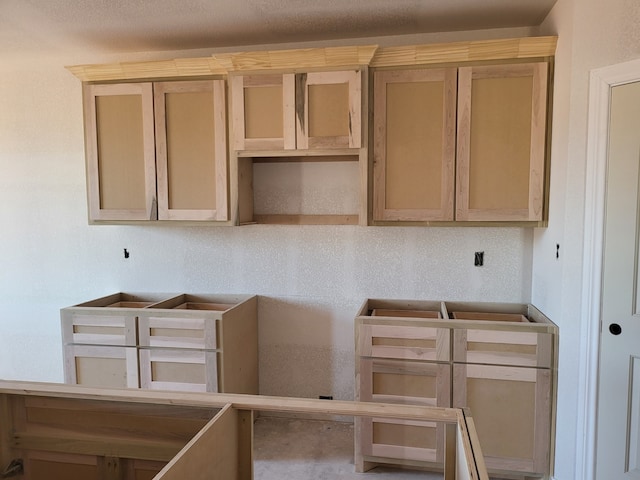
(300, 449)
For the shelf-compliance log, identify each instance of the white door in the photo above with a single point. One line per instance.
(618, 421)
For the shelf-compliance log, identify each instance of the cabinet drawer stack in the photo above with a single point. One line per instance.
(170, 342)
(497, 359)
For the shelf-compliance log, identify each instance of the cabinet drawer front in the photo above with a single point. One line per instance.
(497, 347)
(402, 342)
(101, 366)
(94, 329)
(172, 332)
(175, 369)
(393, 381)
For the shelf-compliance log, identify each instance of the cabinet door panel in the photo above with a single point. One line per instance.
(414, 144)
(120, 150)
(511, 410)
(501, 142)
(182, 370)
(191, 150)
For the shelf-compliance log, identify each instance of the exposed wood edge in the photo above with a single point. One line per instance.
(514, 48)
(294, 219)
(308, 58)
(176, 68)
(239, 401)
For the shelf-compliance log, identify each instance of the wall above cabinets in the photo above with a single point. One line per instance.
(441, 134)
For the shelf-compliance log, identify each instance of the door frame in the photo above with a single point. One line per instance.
(601, 82)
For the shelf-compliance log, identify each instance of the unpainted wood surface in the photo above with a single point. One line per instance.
(414, 144)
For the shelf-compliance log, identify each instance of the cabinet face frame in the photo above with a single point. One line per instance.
(538, 461)
(218, 137)
(536, 161)
(382, 79)
(95, 189)
(239, 85)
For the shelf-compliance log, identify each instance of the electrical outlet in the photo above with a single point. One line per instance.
(478, 260)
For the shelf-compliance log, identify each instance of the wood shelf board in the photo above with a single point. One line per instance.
(299, 154)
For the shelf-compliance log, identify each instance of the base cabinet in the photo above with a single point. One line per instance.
(498, 360)
(164, 342)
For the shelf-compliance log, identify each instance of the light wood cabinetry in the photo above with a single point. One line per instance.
(500, 362)
(317, 110)
(183, 342)
(172, 134)
(414, 144)
(498, 146)
(501, 141)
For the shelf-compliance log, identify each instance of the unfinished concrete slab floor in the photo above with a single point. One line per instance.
(300, 449)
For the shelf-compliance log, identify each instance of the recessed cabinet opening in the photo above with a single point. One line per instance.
(300, 190)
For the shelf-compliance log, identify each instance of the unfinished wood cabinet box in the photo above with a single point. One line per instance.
(297, 147)
(68, 431)
(175, 342)
(171, 133)
(497, 150)
(498, 359)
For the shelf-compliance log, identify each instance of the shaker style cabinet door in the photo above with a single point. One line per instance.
(120, 151)
(414, 144)
(501, 142)
(191, 149)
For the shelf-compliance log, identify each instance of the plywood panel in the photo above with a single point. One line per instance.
(263, 112)
(500, 143)
(404, 435)
(121, 164)
(190, 122)
(101, 372)
(37, 469)
(329, 110)
(178, 372)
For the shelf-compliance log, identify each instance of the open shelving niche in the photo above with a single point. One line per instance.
(305, 187)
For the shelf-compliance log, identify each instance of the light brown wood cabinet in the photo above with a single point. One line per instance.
(169, 134)
(497, 359)
(490, 124)
(315, 110)
(167, 342)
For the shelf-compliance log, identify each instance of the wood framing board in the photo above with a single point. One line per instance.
(191, 150)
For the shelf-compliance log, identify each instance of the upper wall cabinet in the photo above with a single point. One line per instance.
(315, 110)
(175, 171)
(498, 148)
(501, 142)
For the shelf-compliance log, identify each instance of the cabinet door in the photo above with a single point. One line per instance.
(191, 149)
(263, 112)
(501, 142)
(392, 381)
(120, 151)
(414, 144)
(497, 347)
(511, 410)
(329, 110)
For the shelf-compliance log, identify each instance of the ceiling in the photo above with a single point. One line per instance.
(28, 26)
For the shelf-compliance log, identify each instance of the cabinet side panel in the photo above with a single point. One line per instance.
(120, 152)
